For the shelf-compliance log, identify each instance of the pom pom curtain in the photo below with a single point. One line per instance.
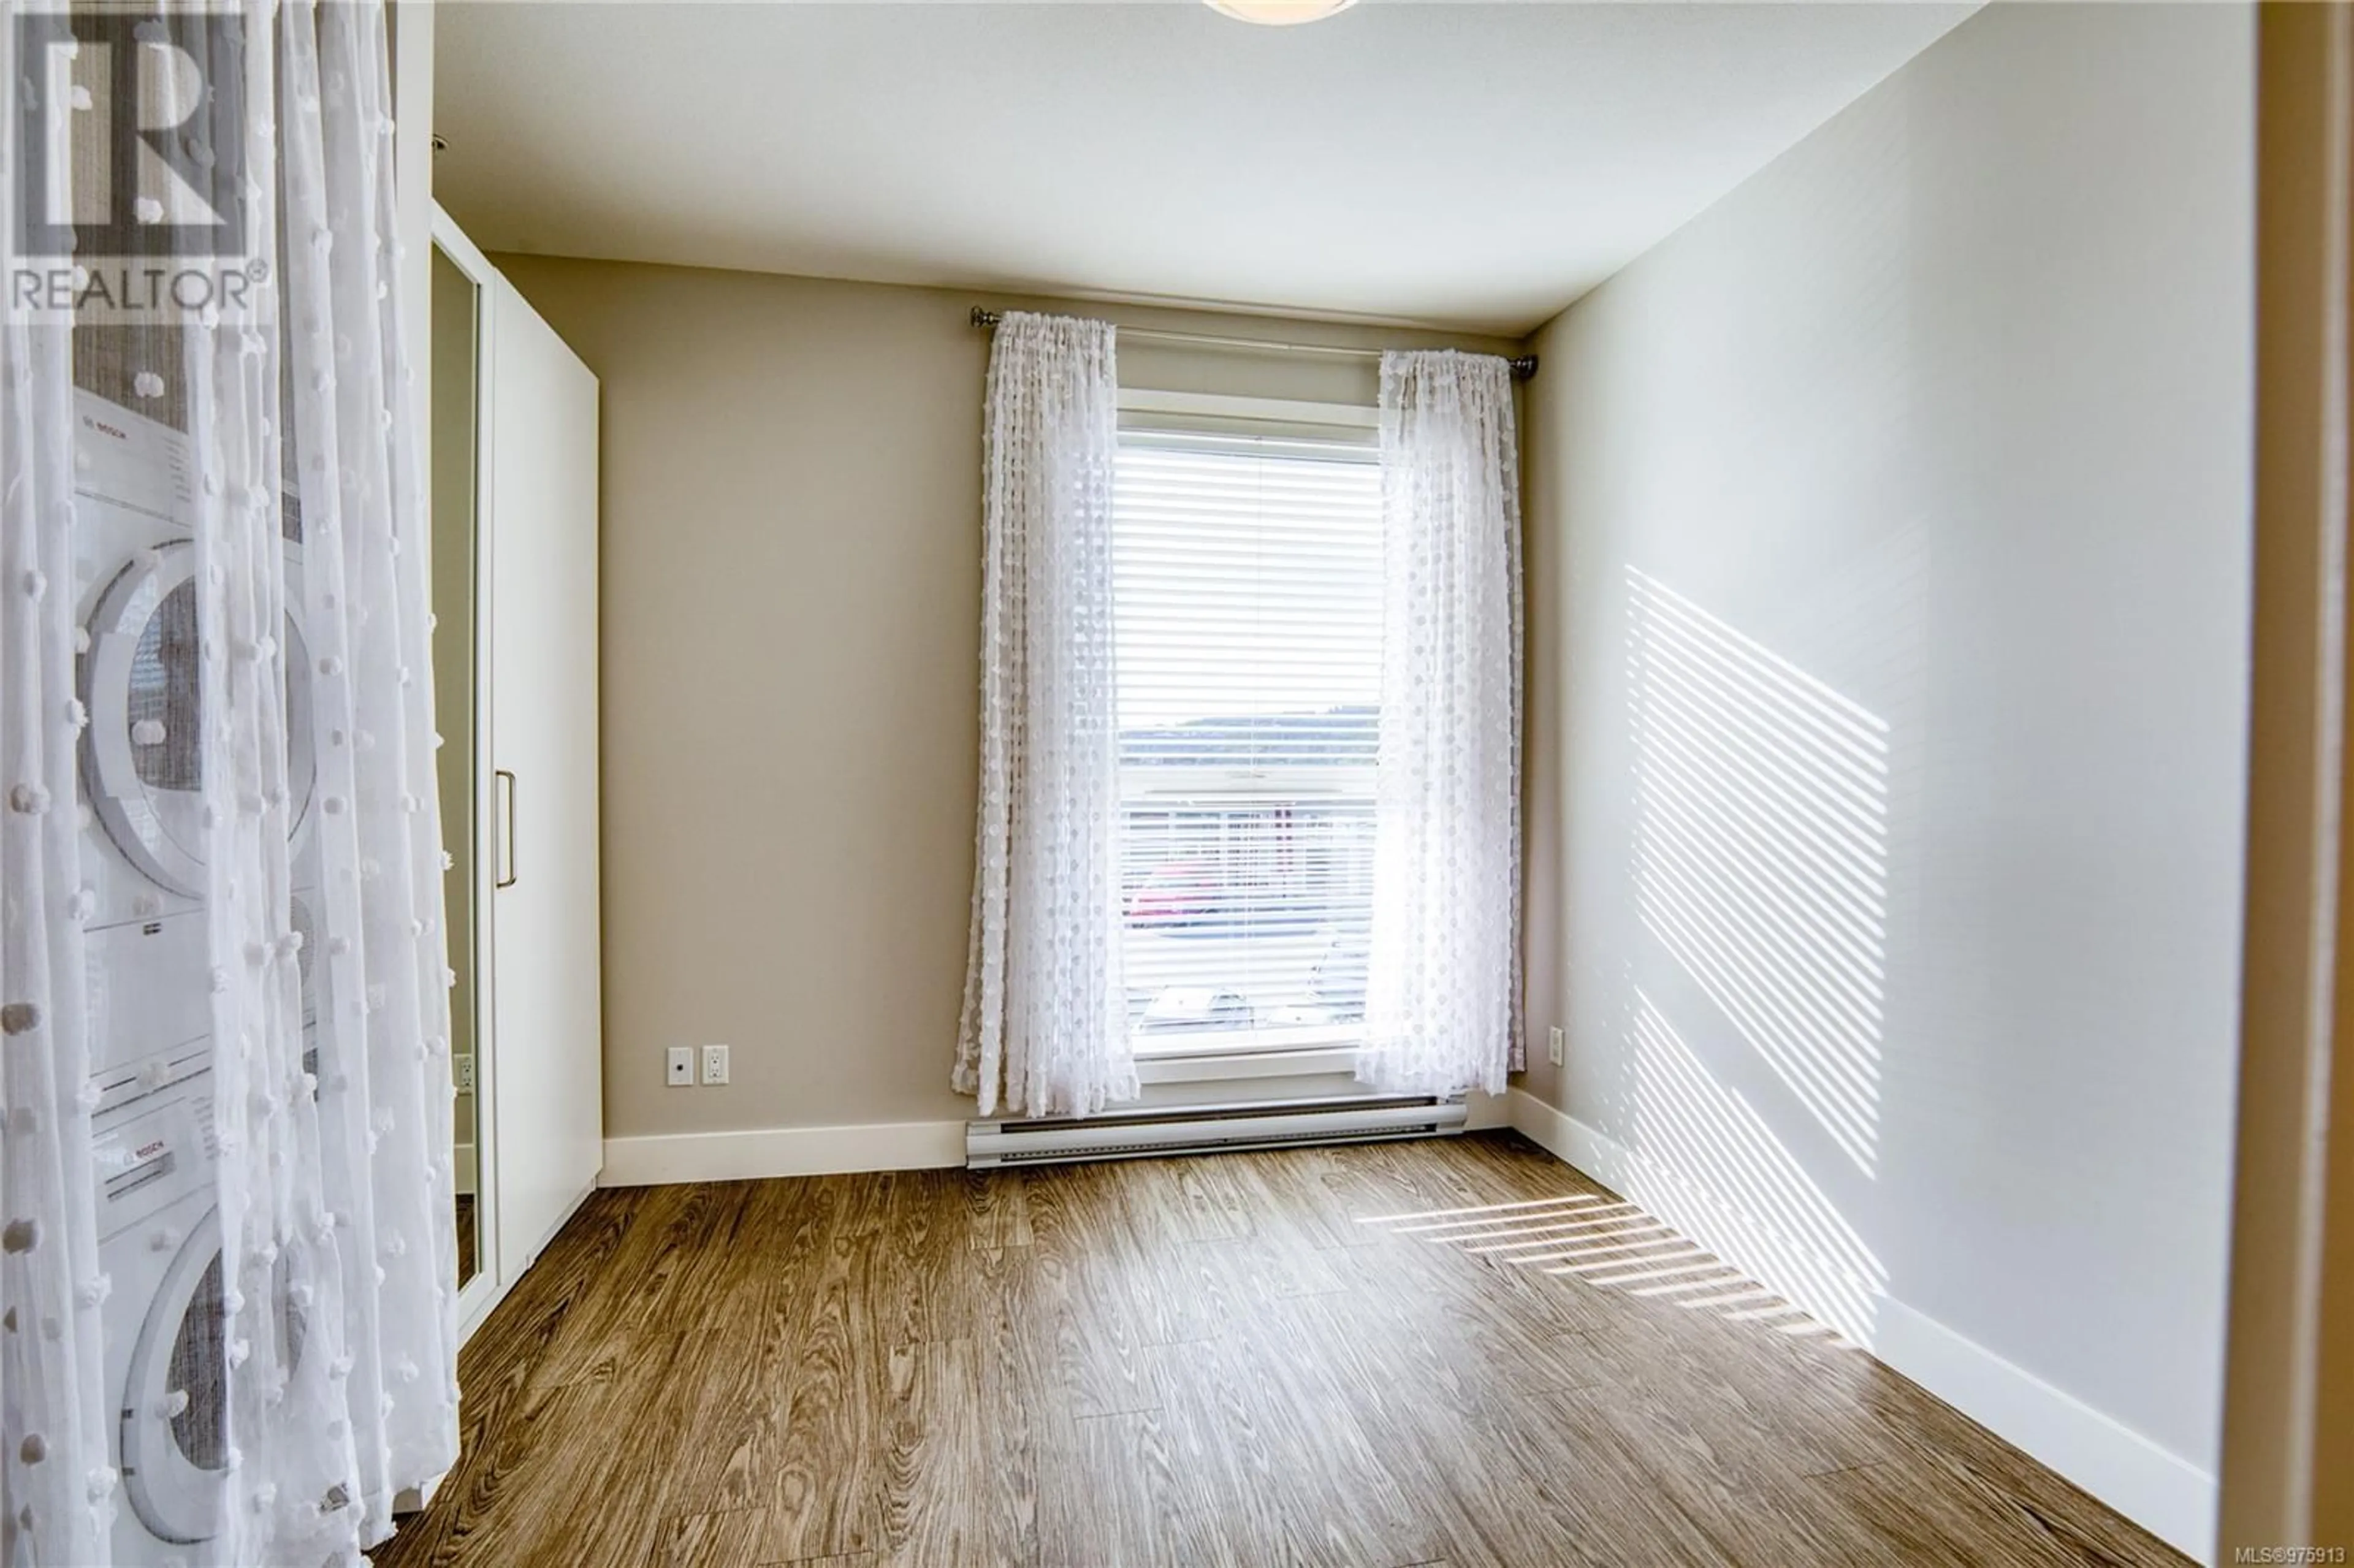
(1442, 982)
(226, 1294)
(1044, 1031)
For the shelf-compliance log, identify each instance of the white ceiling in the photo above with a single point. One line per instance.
(1473, 165)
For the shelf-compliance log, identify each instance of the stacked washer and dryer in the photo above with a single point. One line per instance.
(143, 865)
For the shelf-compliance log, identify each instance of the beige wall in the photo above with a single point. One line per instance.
(1889, 585)
(792, 569)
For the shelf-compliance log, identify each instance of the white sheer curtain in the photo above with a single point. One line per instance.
(1443, 965)
(1044, 1031)
(228, 1270)
(52, 1392)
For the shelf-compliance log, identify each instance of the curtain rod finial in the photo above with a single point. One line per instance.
(1524, 368)
(983, 316)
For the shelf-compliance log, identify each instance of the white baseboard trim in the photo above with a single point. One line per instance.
(1570, 1140)
(2161, 1491)
(1482, 1110)
(781, 1152)
(2164, 1493)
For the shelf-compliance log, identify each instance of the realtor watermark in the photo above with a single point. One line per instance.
(130, 199)
(2271, 1554)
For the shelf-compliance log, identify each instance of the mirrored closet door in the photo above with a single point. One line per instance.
(454, 433)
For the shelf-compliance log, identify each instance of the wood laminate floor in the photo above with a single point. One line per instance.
(1353, 1357)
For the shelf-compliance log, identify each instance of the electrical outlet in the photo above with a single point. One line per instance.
(682, 1066)
(714, 1063)
(1553, 1044)
(464, 1069)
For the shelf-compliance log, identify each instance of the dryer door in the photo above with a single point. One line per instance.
(174, 1398)
(175, 1437)
(141, 685)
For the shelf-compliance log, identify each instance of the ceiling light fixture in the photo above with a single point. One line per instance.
(1279, 13)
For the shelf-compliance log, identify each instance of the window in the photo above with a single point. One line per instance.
(1247, 605)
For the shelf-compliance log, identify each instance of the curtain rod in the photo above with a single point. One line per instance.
(1523, 368)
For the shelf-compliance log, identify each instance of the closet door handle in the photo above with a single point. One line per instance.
(506, 813)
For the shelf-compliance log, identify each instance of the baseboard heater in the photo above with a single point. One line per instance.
(1163, 1129)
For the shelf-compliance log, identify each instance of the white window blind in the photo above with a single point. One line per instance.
(1248, 592)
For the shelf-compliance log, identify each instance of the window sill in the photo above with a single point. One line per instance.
(1251, 1055)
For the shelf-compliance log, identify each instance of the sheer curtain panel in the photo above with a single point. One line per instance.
(1045, 1030)
(1442, 973)
(228, 1328)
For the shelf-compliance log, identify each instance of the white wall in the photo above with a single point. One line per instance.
(1889, 605)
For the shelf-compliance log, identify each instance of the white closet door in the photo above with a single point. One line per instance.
(541, 545)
